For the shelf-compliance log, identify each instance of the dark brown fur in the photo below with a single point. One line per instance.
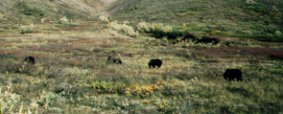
(233, 74)
(29, 60)
(114, 58)
(153, 63)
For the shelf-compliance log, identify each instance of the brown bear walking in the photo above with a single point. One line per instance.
(233, 74)
(29, 60)
(153, 63)
(114, 58)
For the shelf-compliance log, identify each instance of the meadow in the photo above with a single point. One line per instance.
(71, 74)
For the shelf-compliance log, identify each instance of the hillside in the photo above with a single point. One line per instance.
(184, 11)
(240, 18)
(34, 10)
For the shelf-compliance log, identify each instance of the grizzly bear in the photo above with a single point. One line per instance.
(153, 63)
(233, 74)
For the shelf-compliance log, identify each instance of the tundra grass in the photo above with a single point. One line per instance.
(71, 76)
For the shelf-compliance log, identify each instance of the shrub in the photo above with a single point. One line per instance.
(141, 90)
(167, 106)
(103, 18)
(29, 10)
(256, 8)
(109, 87)
(159, 30)
(123, 28)
(151, 27)
(64, 21)
(277, 36)
(26, 29)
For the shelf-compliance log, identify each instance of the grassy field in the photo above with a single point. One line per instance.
(71, 74)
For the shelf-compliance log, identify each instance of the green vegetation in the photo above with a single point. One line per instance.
(77, 79)
(159, 30)
(26, 29)
(259, 19)
(29, 10)
(71, 45)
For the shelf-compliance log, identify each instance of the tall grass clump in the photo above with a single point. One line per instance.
(123, 28)
(159, 30)
(65, 21)
(103, 18)
(27, 28)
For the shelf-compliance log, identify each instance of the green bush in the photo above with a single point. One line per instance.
(28, 10)
(159, 30)
(123, 28)
(256, 8)
(26, 29)
(109, 87)
(65, 21)
(277, 36)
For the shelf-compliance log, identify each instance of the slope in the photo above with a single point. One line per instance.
(243, 18)
(37, 9)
